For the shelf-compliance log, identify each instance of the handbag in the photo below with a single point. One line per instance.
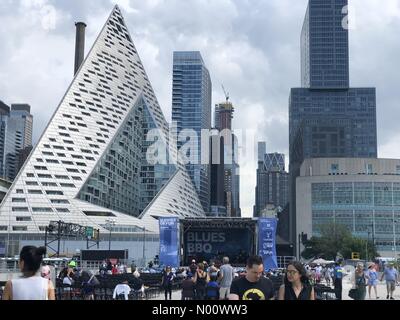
(353, 293)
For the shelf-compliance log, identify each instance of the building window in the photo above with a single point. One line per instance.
(32, 183)
(62, 177)
(18, 200)
(20, 209)
(20, 228)
(59, 201)
(45, 176)
(24, 219)
(42, 209)
(54, 193)
(369, 169)
(35, 191)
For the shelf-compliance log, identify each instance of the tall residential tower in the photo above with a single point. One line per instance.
(191, 110)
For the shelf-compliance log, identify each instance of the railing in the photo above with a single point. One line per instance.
(283, 261)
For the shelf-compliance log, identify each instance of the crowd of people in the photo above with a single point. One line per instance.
(202, 281)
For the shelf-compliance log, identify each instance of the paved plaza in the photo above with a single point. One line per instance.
(176, 295)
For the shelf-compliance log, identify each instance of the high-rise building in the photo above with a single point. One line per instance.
(4, 115)
(327, 118)
(191, 110)
(17, 139)
(229, 160)
(325, 45)
(217, 187)
(272, 182)
(96, 160)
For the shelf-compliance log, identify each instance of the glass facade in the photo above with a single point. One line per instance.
(191, 109)
(334, 123)
(325, 45)
(16, 139)
(370, 210)
(272, 182)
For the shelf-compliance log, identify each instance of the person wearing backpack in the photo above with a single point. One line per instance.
(89, 281)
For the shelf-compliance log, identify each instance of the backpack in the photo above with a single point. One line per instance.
(88, 286)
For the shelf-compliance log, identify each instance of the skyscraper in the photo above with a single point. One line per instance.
(92, 163)
(325, 45)
(4, 114)
(228, 166)
(272, 182)
(191, 110)
(327, 118)
(17, 138)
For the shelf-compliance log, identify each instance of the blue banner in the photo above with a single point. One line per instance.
(169, 241)
(267, 243)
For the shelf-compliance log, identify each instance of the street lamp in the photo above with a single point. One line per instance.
(110, 224)
(144, 247)
(394, 239)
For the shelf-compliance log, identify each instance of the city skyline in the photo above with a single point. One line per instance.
(258, 71)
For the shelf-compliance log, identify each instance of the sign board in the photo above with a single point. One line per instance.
(267, 242)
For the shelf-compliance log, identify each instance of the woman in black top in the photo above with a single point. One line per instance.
(296, 285)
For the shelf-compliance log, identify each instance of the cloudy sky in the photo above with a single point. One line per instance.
(250, 46)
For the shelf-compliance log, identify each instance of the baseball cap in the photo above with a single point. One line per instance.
(72, 263)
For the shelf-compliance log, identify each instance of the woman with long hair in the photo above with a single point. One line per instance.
(31, 286)
(296, 284)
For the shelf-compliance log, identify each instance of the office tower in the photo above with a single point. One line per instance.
(325, 45)
(4, 115)
(327, 118)
(93, 163)
(18, 139)
(191, 110)
(272, 182)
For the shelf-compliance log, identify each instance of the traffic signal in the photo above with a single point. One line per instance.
(304, 238)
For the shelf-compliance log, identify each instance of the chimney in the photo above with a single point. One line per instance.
(79, 45)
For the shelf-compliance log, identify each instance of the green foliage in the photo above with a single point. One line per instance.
(335, 238)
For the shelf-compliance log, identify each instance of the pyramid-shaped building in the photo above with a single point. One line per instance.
(92, 162)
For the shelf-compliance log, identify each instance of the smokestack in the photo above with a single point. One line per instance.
(79, 45)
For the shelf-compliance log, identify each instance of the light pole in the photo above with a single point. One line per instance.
(144, 247)
(366, 248)
(394, 239)
(110, 224)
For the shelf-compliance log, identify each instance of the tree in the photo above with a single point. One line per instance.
(337, 238)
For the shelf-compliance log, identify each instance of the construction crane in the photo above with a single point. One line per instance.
(226, 93)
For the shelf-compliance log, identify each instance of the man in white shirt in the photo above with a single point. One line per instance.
(122, 290)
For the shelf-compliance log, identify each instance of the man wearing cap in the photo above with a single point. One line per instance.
(391, 276)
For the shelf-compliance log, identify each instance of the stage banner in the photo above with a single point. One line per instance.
(267, 243)
(169, 241)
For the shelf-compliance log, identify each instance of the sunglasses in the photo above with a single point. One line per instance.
(292, 272)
